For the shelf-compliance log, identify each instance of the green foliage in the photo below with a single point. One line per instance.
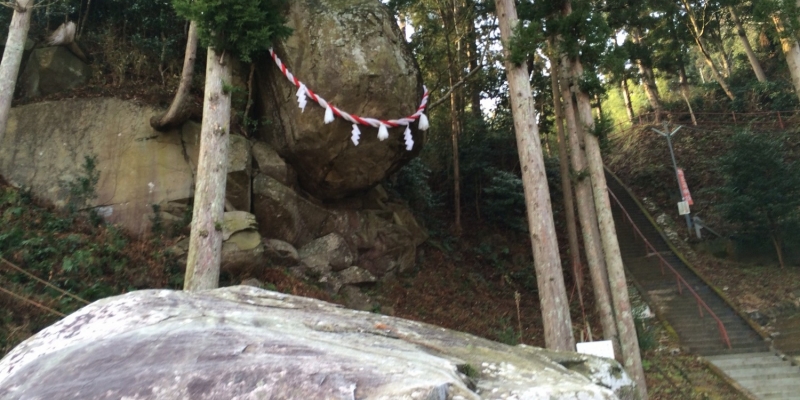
(525, 40)
(90, 260)
(761, 190)
(468, 370)
(507, 333)
(83, 188)
(505, 200)
(645, 333)
(412, 184)
(242, 27)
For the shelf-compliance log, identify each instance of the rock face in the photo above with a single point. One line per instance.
(52, 70)
(46, 143)
(247, 343)
(385, 240)
(354, 55)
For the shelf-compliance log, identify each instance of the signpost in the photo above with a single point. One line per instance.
(686, 198)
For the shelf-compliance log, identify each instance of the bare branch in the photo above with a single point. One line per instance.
(454, 87)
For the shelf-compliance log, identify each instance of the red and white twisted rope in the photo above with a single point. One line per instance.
(331, 111)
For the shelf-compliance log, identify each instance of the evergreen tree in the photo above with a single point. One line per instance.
(761, 193)
(241, 28)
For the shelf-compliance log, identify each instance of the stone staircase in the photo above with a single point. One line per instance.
(764, 375)
(749, 361)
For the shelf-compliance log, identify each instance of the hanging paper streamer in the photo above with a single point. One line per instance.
(328, 115)
(332, 112)
(383, 133)
(301, 97)
(423, 122)
(356, 134)
(408, 139)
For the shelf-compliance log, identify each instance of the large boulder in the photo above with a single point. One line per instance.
(246, 343)
(385, 240)
(328, 253)
(46, 143)
(53, 69)
(352, 54)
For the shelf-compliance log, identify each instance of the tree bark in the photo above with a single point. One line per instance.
(697, 33)
(751, 55)
(180, 110)
(685, 91)
(648, 79)
(586, 213)
(778, 249)
(205, 241)
(626, 98)
(791, 50)
(566, 184)
(629, 342)
(12, 58)
(447, 14)
(549, 276)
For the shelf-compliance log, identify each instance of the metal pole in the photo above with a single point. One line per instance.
(667, 134)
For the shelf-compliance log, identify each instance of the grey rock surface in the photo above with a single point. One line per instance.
(385, 240)
(138, 167)
(243, 251)
(352, 54)
(52, 70)
(330, 249)
(356, 275)
(246, 343)
(280, 254)
(271, 164)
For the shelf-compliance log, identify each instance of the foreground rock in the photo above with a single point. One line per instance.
(353, 54)
(247, 343)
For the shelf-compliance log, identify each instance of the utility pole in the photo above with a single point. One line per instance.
(667, 134)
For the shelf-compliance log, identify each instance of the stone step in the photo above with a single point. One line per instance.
(749, 349)
(781, 371)
(774, 386)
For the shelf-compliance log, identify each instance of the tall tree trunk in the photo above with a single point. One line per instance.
(566, 184)
(586, 212)
(180, 110)
(629, 342)
(12, 58)
(648, 78)
(473, 55)
(549, 276)
(751, 55)
(598, 102)
(447, 14)
(776, 241)
(626, 98)
(205, 241)
(83, 20)
(724, 58)
(791, 50)
(455, 128)
(697, 33)
(685, 91)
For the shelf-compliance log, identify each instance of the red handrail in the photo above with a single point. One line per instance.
(700, 303)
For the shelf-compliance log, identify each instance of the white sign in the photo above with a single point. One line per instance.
(603, 348)
(683, 207)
